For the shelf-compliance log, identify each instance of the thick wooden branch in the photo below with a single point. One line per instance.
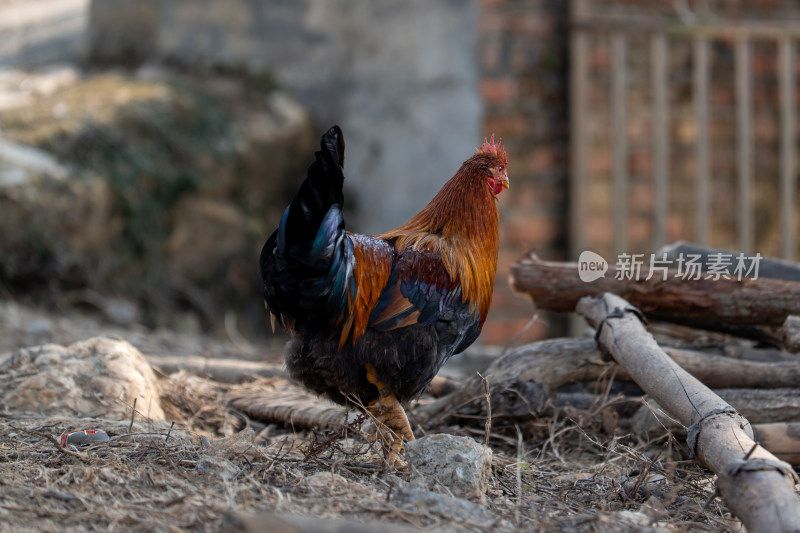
(758, 406)
(769, 267)
(521, 382)
(781, 439)
(707, 303)
(222, 370)
(790, 333)
(758, 487)
(278, 400)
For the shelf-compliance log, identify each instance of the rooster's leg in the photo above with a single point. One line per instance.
(389, 412)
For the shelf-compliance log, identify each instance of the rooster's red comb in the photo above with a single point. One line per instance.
(496, 149)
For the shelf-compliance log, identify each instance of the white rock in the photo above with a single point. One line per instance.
(97, 377)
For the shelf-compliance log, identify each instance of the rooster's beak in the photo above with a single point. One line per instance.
(506, 185)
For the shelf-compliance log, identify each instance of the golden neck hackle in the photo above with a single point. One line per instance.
(460, 224)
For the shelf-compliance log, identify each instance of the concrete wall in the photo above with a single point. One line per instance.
(415, 85)
(399, 76)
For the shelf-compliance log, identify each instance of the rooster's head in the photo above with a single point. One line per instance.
(497, 179)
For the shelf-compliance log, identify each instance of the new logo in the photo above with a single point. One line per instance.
(591, 266)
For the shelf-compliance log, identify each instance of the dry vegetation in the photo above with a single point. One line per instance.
(570, 469)
(575, 471)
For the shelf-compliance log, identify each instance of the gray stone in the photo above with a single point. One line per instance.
(629, 521)
(326, 481)
(217, 466)
(261, 522)
(235, 447)
(121, 31)
(459, 464)
(458, 511)
(97, 377)
(275, 145)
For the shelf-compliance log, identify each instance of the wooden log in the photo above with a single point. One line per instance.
(758, 406)
(521, 382)
(790, 333)
(769, 267)
(706, 303)
(765, 405)
(222, 370)
(441, 386)
(782, 439)
(278, 400)
(686, 337)
(717, 371)
(757, 487)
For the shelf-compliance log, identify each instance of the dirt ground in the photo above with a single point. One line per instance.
(214, 468)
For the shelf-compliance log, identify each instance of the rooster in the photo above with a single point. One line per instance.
(373, 318)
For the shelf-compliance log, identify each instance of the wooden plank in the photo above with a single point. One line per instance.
(660, 88)
(619, 143)
(703, 142)
(579, 147)
(744, 145)
(788, 168)
(729, 31)
(579, 82)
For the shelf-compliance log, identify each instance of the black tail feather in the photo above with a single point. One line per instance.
(305, 263)
(333, 142)
(321, 189)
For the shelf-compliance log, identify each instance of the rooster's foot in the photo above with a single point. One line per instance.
(393, 424)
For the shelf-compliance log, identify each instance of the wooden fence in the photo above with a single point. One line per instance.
(617, 32)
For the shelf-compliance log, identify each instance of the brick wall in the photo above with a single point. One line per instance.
(523, 61)
(683, 128)
(384, 70)
(523, 57)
